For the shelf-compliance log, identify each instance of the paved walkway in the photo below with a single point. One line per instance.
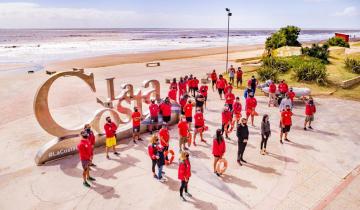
(296, 175)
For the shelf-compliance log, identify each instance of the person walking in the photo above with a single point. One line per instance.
(229, 99)
(110, 133)
(188, 110)
(250, 106)
(285, 123)
(231, 74)
(85, 152)
(242, 133)
(237, 108)
(136, 118)
(226, 118)
(218, 149)
(199, 125)
(213, 79)
(265, 133)
(310, 110)
(220, 85)
(272, 94)
(239, 75)
(184, 174)
(183, 128)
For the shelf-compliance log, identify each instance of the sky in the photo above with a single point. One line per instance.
(179, 14)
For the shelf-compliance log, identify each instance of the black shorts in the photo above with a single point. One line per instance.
(239, 80)
(286, 129)
(154, 119)
(166, 118)
(213, 82)
(196, 126)
(221, 91)
(85, 164)
(217, 156)
(205, 98)
(189, 119)
(196, 89)
(230, 106)
(136, 129)
(182, 112)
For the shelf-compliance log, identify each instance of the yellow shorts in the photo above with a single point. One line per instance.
(111, 141)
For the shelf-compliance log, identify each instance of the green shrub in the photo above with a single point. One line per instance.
(317, 51)
(311, 70)
(353, 65)
(337, 41)
(286, 36)
(278, 64)
(266, 73)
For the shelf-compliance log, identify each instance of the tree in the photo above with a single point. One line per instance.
(286, 36)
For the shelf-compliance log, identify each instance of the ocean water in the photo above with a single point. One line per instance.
(40, 46)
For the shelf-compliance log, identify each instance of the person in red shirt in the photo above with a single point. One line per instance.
(184, 174)
(220, 85)
(229, 99)
(237, 108)
(283, 87)
(291, 95)
(91, 138)
(183, 128)
(204, 91)
(285, 123)
(226, 118)
(165, 108)
(213, 79)
(195, 85)
(218, 149)
(152, 151)
(173, 85)
(250, 106)
(190, 84)
(164, 138)
(239, 74)
(110, 132)
(310, 110)
(182, 87)
(136, 118)
(154, 115)
(183, 102)
(227, 88)
(188, 112)
(272, 94)
(85, 152)
(199, 125)
(172, 94)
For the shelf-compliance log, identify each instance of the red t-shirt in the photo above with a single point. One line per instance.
(110, 129)
(183, 128)
(220, 84)
(182, 87)
(239, 74)
(188, 110)
(199, 119)
(283, 87)
(237, 107)
(154, 110)
(227, 88)
(218, 149)
(204, 89)
(190, 83)
(196, 82)
(184, 171)
(172, 94)
(136, 117)
(164, 133)
(173, 85)
(291, 96)
(85, 149)
(226, 117)
(251, 103)
(213, 76)
(310, 109)
(165, 109)
(183, 102)
(229, 98)
(286, 117)
(272, 88)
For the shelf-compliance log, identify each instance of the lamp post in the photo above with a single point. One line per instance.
(227, 42)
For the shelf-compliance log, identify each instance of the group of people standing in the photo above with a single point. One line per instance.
(187, 93)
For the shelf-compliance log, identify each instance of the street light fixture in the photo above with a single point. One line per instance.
(228, 34)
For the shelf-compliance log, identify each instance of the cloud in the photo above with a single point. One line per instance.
(348, 12)
(31, 15)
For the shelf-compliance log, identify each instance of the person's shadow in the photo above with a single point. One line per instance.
(235, 180)
(262, 169)
(282, 158)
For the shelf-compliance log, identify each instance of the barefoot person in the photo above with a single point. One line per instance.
(110, 132)
(310, 110)
(285, 123)
(136, 118)
(184, 174)
(242, 132)
(199, 125)
(213, 79)
(265, 133)
(239, 75)
(250, 106)
(85, 153)
(218, 149)
(91, 138)
(152, 151)
(183, 128)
